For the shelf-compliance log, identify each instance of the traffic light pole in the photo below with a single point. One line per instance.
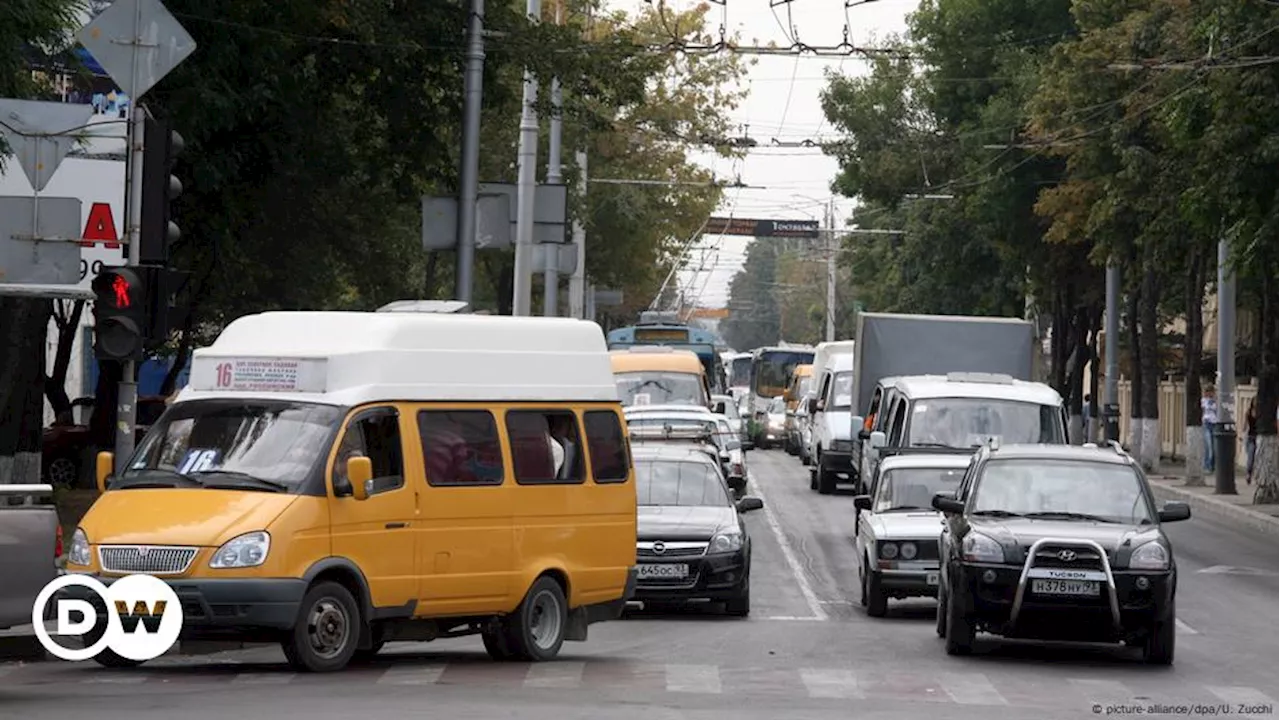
(127, 403)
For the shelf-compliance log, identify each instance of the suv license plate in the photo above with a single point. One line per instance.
(662, 571)
(1087, 588)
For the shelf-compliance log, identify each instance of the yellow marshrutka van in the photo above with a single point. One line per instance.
(336, 480)
(660, 375)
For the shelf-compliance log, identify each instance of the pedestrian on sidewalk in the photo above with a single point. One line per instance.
(1250, 439)
(1208, 418)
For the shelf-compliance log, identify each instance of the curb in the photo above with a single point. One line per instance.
(1209, 506)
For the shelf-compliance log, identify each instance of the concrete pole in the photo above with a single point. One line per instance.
(469, 172)
(577, 281)
(1111, 401)
(551, 273)
(1224, 455)
(127, 393)
(831, 271)
(527, 180)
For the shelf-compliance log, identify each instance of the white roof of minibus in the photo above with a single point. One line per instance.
(972, 385)
(352, 358)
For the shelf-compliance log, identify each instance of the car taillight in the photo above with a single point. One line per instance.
(57, 546)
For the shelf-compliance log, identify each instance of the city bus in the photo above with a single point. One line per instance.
(771, 369)
(665, 329)
(738, 368)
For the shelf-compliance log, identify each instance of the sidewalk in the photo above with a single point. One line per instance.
(1170, 484)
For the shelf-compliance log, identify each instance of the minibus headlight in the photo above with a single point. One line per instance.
(248, 550)
(78, 553)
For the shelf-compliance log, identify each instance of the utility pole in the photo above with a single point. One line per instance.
(831, 270)
(1111, 390)
(469, 172)
(578, 281)
(551, 273)
(1224, 435)
(127, 394)
(527, 181)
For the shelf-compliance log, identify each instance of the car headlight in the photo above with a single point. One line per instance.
(78, 553)
(1151, 556)
(889, 550)
(726, 542)
(980, 548)
(841, 446)
(908, 550)
(248, 550)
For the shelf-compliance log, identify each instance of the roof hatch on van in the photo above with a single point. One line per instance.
(978, 377)
(427, 306)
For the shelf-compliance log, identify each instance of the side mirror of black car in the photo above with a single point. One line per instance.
(747, 504)
(862, 502)
(1173, 511)
(738, 483)
(947, 503)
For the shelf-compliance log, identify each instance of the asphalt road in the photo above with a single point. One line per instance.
(807, 651)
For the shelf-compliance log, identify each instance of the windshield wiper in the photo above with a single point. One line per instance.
(997, 513)
(905, 507)
(934, 444)
(239, 480)
(142, 478)
(1070, 516)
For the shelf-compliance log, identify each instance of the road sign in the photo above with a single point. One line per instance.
(160, 44)
(563, 256)
(40, 134)
(43, 251)
(608, 298)
(440, 223)
(550, 207)
(752, 227)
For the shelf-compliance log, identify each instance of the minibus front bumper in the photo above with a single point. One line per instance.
(223, 603)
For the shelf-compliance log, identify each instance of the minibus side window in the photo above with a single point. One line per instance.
(610, 462)
(546, 447)
(374, 434)
(460, 448)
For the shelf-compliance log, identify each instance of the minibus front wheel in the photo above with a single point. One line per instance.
(327, 631)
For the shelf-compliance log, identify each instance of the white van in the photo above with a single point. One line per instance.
(830, 413)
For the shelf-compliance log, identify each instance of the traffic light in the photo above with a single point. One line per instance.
(159, 189)
(120, 313)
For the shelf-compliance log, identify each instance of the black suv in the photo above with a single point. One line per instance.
(1056, 542)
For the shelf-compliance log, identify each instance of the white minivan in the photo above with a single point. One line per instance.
(830, 417)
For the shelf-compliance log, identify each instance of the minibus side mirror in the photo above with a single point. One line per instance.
(360, 473)
(878, 439)
(106, 463)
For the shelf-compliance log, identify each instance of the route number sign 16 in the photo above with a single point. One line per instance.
(224, 375)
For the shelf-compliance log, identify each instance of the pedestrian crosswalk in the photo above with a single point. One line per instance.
(623, 677)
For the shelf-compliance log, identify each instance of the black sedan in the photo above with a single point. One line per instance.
(691, 542)
(1055, 542)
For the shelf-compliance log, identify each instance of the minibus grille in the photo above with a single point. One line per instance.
(149, 559)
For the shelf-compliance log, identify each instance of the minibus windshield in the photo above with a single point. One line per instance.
(262, 445)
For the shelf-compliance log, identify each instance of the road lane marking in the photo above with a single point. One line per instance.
(793, 618)
(1239, 695)
(971, 689)
(1102, 690)
(1184, 628)
(810, 597)
(830, 683)
(1233, 570)
(693, 679)
(559, 674)
(412, 675)
(252, 678)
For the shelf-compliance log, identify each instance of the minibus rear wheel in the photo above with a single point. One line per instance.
(536, 630)
(327, 630)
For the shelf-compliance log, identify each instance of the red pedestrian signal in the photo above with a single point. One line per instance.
(121, 288)
(120, 313)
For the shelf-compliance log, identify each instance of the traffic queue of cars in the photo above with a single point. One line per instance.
(966, 490)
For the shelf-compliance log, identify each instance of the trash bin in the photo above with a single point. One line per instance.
(1224, 457)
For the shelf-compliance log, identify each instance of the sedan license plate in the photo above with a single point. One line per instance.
(931, 578)
(662, 571)
(1064, 587)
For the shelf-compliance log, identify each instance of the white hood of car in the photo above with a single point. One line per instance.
(908, 525)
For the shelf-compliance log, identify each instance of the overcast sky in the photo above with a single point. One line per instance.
(787, 183)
